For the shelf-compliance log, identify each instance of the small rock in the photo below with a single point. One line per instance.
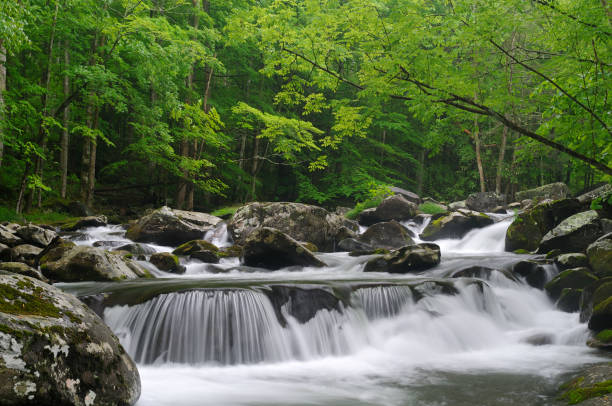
(84, 222)
(136, 249)
(167, 262)
(407, 259)
(209, 257)
(194, 246)
(572, 260)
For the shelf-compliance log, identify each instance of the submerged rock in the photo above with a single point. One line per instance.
(412, 258)
(300, 303)
(171, 227)
(455, 225)
(392, 208)
(301, 222)
(55, 351)
(272, 249)
(575, 233)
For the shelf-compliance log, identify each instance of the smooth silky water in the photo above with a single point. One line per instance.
(496, 342)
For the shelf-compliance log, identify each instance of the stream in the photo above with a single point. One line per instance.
(222, 335)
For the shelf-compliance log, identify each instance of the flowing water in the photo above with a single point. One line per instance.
(425, 339)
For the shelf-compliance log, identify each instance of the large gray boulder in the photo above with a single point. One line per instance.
(272, 249)
(300, 221)
(455, 225)
(26, 253)
(599, 192)
(599, 256)
(528, 228)
(35, 235)
(55, 351)
(22, 269)
(388, 235)
(574, 234)
(69, 263)
(172, 227)
(553, 191)
(84, 222)
(406, 194)
(590, 387)
(392, 208)
(484, 201)
(412, 258)
(8, 236)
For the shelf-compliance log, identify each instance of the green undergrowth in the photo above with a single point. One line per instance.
(605, 336)
(359, 207)
(431, 208)
(225, 212)
(36, 216)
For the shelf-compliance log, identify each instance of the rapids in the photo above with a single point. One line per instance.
(218, 336)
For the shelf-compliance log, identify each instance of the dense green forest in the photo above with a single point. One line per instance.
(205, 103)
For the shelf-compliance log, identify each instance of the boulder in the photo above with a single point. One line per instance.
(164, 261)
(392, 208)
(454, 206)
(569, 300)
(484, 201)
(36, 235)
(26, 253)
(592, 295)
(591, 387)
(194, 246)
(353, 244)
(573, 234)
(300, 221)
(84, 222)
(534, 272)
(528, 228)
(406, 194)
(597, 193)
(209, 257)
(412, 258)
(602, 340)
(22, 269)
(136, 249)
(455, 225)
(8, 237)
(601, 319)
(5, 252)
(599, 256)
(65, 263)
(55, 351)
(553, 191)
(108, 244)
(272, 249)
(577, 278)
(171, 227)
(387, 235)
(572, 260)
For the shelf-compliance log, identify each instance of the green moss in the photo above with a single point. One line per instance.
(605, 336)
(193, 246)
(431, 208)
(13, 301)
(521, 251)
(575, 393)
(225, 212)
(602, 306)
(359, 207)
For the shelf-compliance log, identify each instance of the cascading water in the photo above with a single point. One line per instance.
(422, 340)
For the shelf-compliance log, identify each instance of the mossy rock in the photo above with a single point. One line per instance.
(193, 246)
(602, 316)
(571, 260)
(233, 251)
(577, 278)
(569, 301)
(600, 257)
(167, 262)
(592, 385)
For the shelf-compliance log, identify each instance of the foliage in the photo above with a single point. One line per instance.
(431, 208)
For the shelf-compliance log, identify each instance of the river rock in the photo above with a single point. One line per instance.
(136, 249)
(22, 269)
(455, 225)
(601, 301)
(164, 261)
(353, 244)
(534, 272)
(65, 263)
(412, 258)
(599, 256)
(454, 206)
(553, 191)
(194, 246)
(571, 260)
(592, 295)
(575, 233)
(8, 237)
(301, 303)
(55, 351)
(171, 227)
(528, 228)
(272, 249)
(577, 278)
(26, 253)
(569, 300)
(386, 235)
(209, 257)
(406, 194)
(35, 235)
(392, 208)
(84, 222)
(484, 201)
(299, 221)
(591, 387)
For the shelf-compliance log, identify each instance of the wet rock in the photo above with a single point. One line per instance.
(164, 261)
(299, 221)
(597, 193)
(108, 244)
(601, 319)
(22, 269)
(528, 228)
(194, 246)
(412, 258)
(592, 295)
(171, 227)
(540, 339)
(26, 253)
(56, 351)
(231, 252)
(392, 208)
(553, 191)
(533, 271)
(406, 194)
(569, 301)
(591, 387)
(387, 235)
(573, 234)
(571, 260)
(36, 235)
(601, 341)
(136, 249)
(455, 225)
(484, 201)
(481, 272)
(84, 222)
(454, 206)
(209, 257)
(353, 244)
(65, 263)
(5, 252)
(578, 278)
(300, 303)
(599, 256)
(272, 249)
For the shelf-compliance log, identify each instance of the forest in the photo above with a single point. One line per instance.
(200, 104)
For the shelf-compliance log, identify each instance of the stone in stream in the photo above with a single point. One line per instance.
(571, 260)
(387, 235)
(84, 222)
(164, 261)
(484, 201)
(552, 191)
(392, 208)
(412, 258)
(272, 249)
(35, 235)
(136, 249)
(577, 278)
(590, 387)
(171, 227)
(55, 351)
(455, 225)
(534, 272)
(573, 234)
(599, 256)
(301, 222)
(199, 249)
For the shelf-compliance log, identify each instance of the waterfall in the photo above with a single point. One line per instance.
(383, 301)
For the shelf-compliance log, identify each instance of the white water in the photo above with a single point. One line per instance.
(227, 347)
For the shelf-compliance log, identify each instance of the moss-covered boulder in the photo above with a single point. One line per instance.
(602, 340)
(553, 191)
(272, 249)
(578, 278)
(530, 226)
(455, 225)
(171, 227)
(194, 246)
(591, 387)
(65, 263)
(601, 319)
(84, 222)
(136, 249)
(571, 260)
(574, 234)
(394, 207)
(301, 222)
(164, 261)
(534, 271)
(599, 256)
(388, 235)
(22, 269)
(569, 300)
(592, 295)
(412, 258)
(55, 351)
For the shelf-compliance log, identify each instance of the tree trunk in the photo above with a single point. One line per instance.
(65, 133)
(500, 161)
(421, 172)
(483, 186)
(2, 90)
(382, 150)
(254, 167)
(86, 157)
(91, 171)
